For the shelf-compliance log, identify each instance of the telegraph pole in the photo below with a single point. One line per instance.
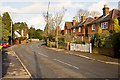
(48, 42)
(11, 33)
(47, 18)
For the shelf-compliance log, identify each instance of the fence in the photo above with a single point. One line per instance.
(81, 47)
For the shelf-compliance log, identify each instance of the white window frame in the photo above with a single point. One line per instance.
(74, 30)
(93, 28)
(103, 25)
(79, 29)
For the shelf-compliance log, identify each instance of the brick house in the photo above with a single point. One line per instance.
(105, 21)
(69, 25)
(80, 30)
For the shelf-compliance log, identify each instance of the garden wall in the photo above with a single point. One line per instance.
(80, 47)
(104, 51)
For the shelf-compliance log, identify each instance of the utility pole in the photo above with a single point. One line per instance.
(48, 42)
(47, 19)
(11, 32)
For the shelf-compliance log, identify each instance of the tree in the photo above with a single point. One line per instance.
(80, 13)
(6, 20)
(94, 13)
(31, 32)
(3, 31)
(99, 31)
(38, 34)
(86, 13)
(116, 26)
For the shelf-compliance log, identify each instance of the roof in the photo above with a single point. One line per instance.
(84, 23)
(112, 15)
(70, 24)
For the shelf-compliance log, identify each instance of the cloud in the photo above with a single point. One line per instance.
(37, 22)
(98, 6)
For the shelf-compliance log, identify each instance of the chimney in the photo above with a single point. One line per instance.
(74, 21)
(82, 17)
(105, 10)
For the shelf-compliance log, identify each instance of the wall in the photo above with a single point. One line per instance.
(80, 47)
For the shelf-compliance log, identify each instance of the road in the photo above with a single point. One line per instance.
(46, 63)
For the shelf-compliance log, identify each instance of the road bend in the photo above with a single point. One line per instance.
(46, 63)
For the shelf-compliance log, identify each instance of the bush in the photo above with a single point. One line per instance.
(116, 44)
(60, 40)
(78, 41)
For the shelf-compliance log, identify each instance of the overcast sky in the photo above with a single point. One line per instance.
(30, 11)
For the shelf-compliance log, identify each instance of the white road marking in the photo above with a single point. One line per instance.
(43, 54)
(66, 64)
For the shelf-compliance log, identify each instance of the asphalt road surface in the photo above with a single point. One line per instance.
(46, 63)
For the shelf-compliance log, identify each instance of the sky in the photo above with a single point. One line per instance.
(31, 11)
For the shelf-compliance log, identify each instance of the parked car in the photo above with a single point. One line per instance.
(5, 44)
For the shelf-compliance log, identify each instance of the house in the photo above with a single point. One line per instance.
(69, 25)
(21, 33)
(105, 21)
(80, 30)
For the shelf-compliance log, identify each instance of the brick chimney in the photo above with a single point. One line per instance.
(74, 21)
(105, 10)
(82, 17)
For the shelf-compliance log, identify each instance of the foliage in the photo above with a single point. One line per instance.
(68, 38)
(99, 31)
(37, 34)
(116, 26)
(6, 21)
(92, 39)
(5, 32)
(60, 40)
(116, 44)
(78, 41)
(31, 32)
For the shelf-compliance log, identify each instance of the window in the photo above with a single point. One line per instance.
(93, 27)
(66, 31)
(79, 29)
(74, 30)
(104, 25)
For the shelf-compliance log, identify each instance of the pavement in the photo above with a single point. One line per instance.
(11, 66)
(90, 56)
(45, 62)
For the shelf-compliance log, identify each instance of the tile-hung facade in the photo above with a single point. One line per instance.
(105, 21)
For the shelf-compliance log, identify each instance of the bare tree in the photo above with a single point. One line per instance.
(86, 13)
(94, 13)
(80, 13)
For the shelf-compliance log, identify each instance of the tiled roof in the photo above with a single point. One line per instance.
(68, 24)
(84, 23)
(112, 15)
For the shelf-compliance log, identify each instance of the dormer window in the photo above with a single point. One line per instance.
(74, 30)
(104, 25)
(93, 27)
(79, 29)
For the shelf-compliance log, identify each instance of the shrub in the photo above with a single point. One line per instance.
(116, 44)
(60, 40)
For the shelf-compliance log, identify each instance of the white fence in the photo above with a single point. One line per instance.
(81, 47)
